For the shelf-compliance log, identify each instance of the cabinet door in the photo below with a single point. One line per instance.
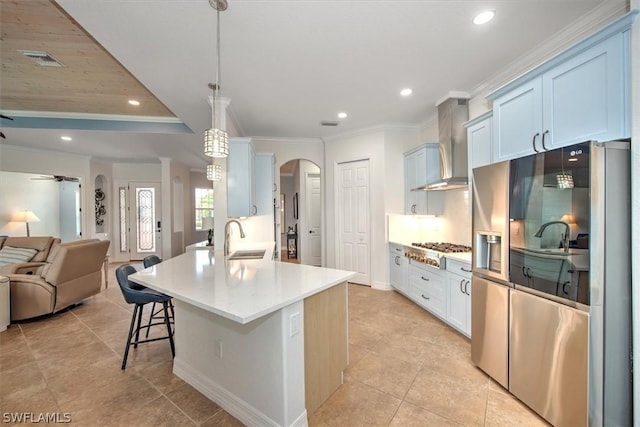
(399, 271)
(479, 137)
(458, 303)
(584, 98)
(264, 183)
(421, 167)
(240, 180)
(517, 119)
(414, 171)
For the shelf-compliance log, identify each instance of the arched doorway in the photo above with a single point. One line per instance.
(301, 213)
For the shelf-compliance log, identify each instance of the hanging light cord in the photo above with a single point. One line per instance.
(216, 89)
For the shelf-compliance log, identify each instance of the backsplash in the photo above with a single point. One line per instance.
(454, 226)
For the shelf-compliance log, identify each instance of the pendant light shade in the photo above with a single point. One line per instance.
(216, 143)
(214, 172)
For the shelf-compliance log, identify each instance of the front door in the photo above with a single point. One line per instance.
(353, 219)
(145, 220)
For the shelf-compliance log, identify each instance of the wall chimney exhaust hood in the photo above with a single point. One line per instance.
(453, 112)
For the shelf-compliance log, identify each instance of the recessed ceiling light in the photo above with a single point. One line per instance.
(134, 102)
(406, 92)
(65, 138)
(342, 115)
(484, 17)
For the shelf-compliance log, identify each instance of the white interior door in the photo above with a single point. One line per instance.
(145, 220)
(314, 221)
(353, 219)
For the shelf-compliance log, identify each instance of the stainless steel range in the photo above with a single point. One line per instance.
(433, 253)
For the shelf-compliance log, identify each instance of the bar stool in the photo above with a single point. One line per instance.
(149, 261)
(140, 296)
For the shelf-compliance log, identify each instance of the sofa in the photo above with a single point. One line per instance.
(24, 255)
(71, 273)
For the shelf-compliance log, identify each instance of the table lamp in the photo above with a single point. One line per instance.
(207, 224)
(26, 217)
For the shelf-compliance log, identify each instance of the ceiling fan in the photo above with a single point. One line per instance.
(57, 178)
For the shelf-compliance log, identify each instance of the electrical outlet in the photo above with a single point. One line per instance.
(294, 324)
(218, 347)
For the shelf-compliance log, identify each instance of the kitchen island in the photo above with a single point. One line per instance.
(265, 340)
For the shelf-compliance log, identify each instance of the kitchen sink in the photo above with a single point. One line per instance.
(248, 254)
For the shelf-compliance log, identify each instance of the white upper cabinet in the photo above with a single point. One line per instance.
(265, 183)
(241, 191)
(587, 95)
(576, 96)
(422, 166)
(518, 121)
(480, 141)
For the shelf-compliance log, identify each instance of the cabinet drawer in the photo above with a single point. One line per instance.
(428, 288)
(396, 248)
(458, 267)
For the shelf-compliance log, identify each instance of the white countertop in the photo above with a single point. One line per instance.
(240, 290)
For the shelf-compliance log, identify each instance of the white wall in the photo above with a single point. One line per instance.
(40, 162)
(19, 192)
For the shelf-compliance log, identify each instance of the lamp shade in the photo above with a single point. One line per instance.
(207, 223)
(25, 216)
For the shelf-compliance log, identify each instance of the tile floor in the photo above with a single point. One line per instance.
(406, 369)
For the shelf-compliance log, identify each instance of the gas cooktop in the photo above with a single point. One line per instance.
(442, 247)
(433, 253)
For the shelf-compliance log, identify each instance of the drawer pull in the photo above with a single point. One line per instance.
(424, 278)
(465, 270)
(425, 297)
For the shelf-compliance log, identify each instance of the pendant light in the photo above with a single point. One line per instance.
(564, 180)
(214, 172)
(216, 140)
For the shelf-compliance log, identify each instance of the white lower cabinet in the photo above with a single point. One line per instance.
(427, 287)
(398, 268)
(459, 296)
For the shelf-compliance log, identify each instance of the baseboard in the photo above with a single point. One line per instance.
(382, 286)
(231, 403)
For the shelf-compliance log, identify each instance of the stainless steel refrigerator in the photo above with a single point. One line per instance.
(567, 244)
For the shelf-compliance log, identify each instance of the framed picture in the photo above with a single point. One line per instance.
(295, 206)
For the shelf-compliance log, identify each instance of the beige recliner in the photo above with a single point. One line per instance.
(43, 244)
(73, 272)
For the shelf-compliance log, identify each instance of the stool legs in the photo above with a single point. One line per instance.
(165, 304)
(136, 317)
(154, 315)
(126, 349)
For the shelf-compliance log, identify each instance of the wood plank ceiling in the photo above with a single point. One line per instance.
(90, 81)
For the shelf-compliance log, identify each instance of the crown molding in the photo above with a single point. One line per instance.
(373, 129)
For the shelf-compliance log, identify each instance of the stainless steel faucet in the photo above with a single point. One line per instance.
(565, 236)
(226, 234)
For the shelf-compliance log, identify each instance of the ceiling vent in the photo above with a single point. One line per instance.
(41, 58)
(329, 123)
